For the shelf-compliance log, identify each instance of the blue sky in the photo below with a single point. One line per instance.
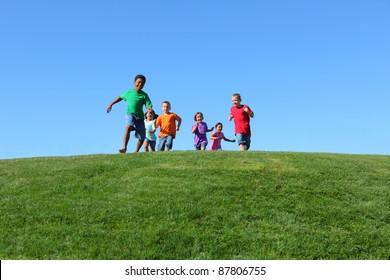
(316, 73)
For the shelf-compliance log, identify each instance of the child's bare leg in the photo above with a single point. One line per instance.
(242, 147)
(138, 146)
(126, 138)
(146, 146)
(152, 146)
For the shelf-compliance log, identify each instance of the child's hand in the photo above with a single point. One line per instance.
(248, 111)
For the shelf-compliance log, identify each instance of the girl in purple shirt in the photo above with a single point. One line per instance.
(199, 128)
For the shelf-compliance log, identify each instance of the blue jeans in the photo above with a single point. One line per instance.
(244, 140)
(166, 141)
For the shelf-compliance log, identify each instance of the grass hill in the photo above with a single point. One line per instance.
(196, 205)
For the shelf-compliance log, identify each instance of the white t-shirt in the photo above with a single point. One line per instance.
(150, 125)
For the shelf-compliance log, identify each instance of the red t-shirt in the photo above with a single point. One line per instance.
(241, 120)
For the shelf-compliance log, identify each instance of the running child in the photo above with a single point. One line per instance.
(199, 128)
(241, 115)
(150, 127)
(217, 136)
(168, 127)
(136, 99)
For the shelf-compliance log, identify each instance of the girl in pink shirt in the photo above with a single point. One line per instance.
(217, 136)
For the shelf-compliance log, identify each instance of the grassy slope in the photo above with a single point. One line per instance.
(196, 205)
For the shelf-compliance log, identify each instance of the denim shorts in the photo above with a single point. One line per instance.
(244, 139)
(138, 125)
(203, 144)
(152, 143)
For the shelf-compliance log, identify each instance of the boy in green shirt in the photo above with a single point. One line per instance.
(136, 99)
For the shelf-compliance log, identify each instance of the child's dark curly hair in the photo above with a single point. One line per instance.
(154, 114)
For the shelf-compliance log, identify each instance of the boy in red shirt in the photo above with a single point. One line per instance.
(241, 115)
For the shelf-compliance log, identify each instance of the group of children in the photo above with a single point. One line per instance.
(199, 129)
(145, 125)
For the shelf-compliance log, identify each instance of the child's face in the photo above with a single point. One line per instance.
(199, 117)
(149, 116)
(139, 84)
(166, 108)
(236, 101)
(219, 128)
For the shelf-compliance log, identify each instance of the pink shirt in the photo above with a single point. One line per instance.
(216, 143)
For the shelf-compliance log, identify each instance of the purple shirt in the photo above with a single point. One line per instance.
(200, 134)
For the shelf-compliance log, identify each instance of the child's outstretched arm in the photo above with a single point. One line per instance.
(178, 123)
(228, 140)
(119, 99)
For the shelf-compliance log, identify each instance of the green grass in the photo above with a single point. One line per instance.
(196, 205)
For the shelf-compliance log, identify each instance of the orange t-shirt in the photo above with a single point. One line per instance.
(167, 124)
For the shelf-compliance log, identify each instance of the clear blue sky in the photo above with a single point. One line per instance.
(316, 73)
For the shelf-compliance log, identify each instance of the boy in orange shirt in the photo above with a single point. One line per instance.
(168, 127)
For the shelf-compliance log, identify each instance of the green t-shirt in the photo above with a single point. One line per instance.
(136, 101)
